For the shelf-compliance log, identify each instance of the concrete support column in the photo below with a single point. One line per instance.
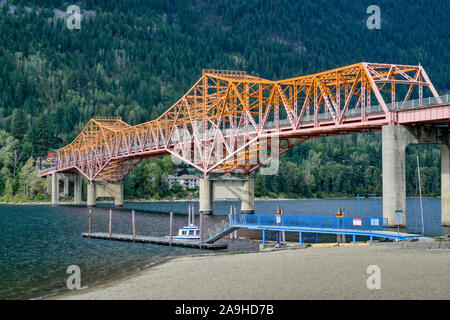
(445, 184)
(91, 194)
(394, 142)
(206, 196)
(77, 185)
(248, 195)
(66, 187)
(55, 188)
(118, 198)
(110, 190)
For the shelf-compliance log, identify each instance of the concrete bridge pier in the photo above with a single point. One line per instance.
(395, 139)
(206, 196)
(55, 188)
(77, 188)
(66, 178)
(445, 184)
(104, 190)
(248, 197)
(227, 188)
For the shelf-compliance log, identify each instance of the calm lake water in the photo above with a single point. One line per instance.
(39, 242)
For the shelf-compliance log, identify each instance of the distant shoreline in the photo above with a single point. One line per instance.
(191, 200)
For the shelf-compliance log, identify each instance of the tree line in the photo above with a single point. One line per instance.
(133, 59)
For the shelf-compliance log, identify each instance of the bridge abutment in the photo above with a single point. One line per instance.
(395, 139)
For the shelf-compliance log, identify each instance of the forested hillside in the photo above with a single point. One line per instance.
(134, 59)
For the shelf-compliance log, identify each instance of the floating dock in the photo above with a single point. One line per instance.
(155, 240)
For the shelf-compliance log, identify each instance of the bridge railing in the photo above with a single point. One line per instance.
(361, 223)
(419, 103)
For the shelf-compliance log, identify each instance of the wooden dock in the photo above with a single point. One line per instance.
(155, 240)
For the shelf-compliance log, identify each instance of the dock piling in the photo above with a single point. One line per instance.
(233, 235)
(201, 229)
(134, 223)
(170, 227)
(90, 221)
(110, 222)
(189, 214)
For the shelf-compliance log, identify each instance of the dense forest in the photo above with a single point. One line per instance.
(133, 59)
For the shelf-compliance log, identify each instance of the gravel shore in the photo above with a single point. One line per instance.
(312, 273)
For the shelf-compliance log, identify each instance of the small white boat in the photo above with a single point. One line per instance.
(190, 232)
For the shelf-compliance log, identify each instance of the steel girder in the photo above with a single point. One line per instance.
(233, 122)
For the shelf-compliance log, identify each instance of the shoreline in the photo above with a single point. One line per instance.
(123, 278)
(284, 274)
(189, 200)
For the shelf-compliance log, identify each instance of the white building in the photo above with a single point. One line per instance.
(185, 180)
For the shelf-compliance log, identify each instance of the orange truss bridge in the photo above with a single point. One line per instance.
(230, 121)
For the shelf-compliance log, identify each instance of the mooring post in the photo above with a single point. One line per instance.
(189, 214)
(201, 229)
(283, 233)
(170, 227)
(110, 222)
(233, 235)
(90, 221)
(133, 221)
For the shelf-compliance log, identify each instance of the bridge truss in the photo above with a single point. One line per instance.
(230, 121)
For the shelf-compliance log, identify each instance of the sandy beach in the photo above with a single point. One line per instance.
(311, 273)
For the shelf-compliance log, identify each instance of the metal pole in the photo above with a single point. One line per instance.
(283, 233)
(193, 214)
(170, 227)
(420, 195)
(90, 221)
(110, 222)
(201, 229)
(233, 235)
(189, 214)
(134, 223)
(343, 215)
(231, 212)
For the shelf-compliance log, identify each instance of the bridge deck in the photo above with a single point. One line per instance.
(155, 240)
